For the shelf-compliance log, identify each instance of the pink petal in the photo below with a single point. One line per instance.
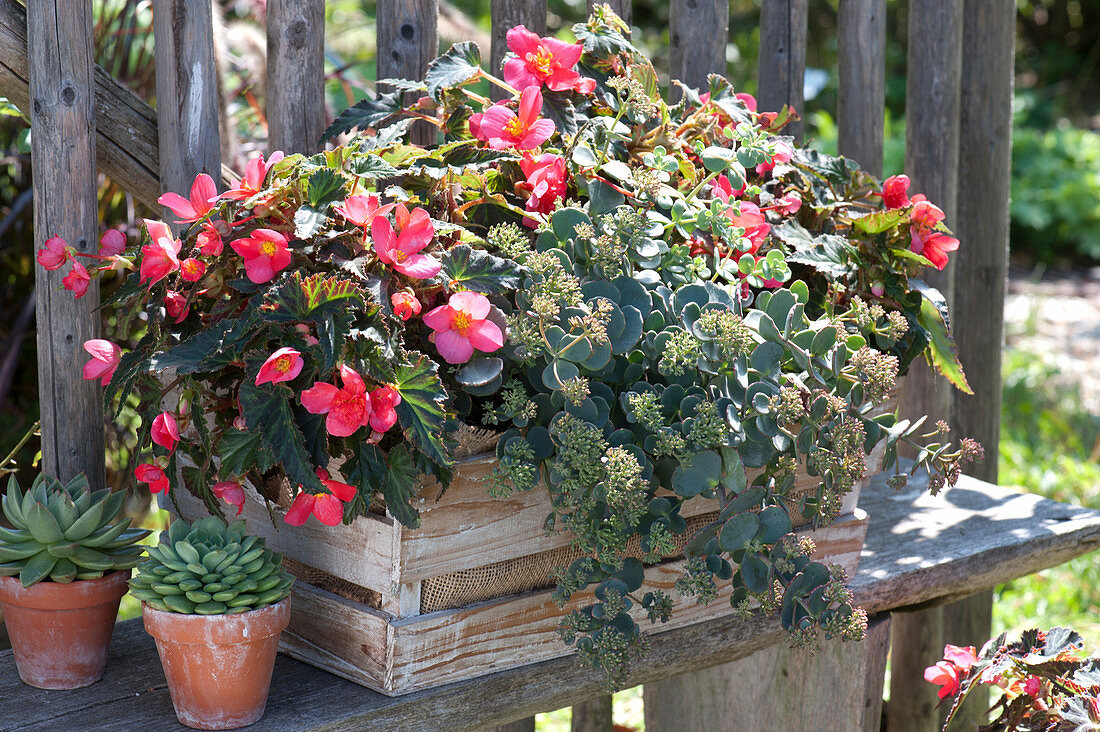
(420, 266)
(539, 132)
(439, 318)
(517, 75)
(522, 41)
(381, 231)
(339, 424)
(203, 191)
(453, 347)
(179, 205)
(259, 270)
(318, 399)
(565, 53)
(485, 336)
(300, 510)
(328, 509)
(473, 304)
(353, 382)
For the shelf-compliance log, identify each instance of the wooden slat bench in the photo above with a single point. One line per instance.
(920, 551)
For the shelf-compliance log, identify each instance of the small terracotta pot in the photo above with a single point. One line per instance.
(218, 667)
(60, 633)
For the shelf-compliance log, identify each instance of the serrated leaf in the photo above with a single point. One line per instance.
(296, 299)
(268, 412)
(460, 63)
(308, 221)
(369, 112)
(399, 483)
(371, 166)
(421, 411)
(207, 349)
(241, 450)
(942, 352)
(877, 222)
(467, 268)
(324, 187)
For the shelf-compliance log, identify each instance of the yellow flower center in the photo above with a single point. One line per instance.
(461, 323)
(399, 256)
(268, 248)
(514, 127)
(283, 364)
(541, 61)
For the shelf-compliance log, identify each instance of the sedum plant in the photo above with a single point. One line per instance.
(210, 568)
(652, 303)
(65, 532)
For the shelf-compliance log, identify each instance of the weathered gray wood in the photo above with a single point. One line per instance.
(596, 715)
(506, 14)
(697, 35)
(622, 8)
(782, 68)
(59, 42)
(295, 86)
(931, 160)
(920, 550)
(861, 48)
(408, 40)
(985, 142)
(524, 725)
(780, 689)
(187, 93)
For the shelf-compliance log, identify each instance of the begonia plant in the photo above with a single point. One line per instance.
(652, 302)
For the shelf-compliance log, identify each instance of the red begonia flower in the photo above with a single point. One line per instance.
(160, 257)
(54, 253)
(192, 270)
(547, 181)
(962, 657)
(112, 243)
(723, 189)
(544, 62)
(925, 240)
(209, 240)
(402, 251)
(265, 254)
(231, 492)
(176, 305)
(382, 403)
(153, 475)
(505, 129)
(328, 508)
(203, 196)
(283, 365)
(405, 304)
(783, 154)
(752, 221)
(945, 675)
(895, 191)
(461, 326)
(348, 408)
(255, 172)
(165, 431)
(748, 100)
(475, 126)
(104, 360)
(362, 210)
(77, 280)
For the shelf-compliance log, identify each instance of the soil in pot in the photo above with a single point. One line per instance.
(218, 667)
(60, 633)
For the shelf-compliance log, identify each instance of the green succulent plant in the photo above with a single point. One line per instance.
(210, 569)
(65, 532)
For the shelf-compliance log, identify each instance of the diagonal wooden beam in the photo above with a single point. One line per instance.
(127, 150)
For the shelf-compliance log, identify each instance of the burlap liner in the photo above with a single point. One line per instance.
(335, 585)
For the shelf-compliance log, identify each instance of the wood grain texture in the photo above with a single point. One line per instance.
(408, 39)
(622, 8)
(596, 715)
(844, 678)
(506, 14)
(187, 93)
(782, 67)
(861, 51)
(295, 106)
(920, 550)
(523, 725)
(698, 31)
(61, 83)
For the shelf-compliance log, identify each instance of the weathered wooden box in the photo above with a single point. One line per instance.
(466, 594)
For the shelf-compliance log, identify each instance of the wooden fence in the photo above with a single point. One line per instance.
(957, 152)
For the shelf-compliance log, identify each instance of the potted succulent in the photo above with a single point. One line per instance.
(216, 601)
(63, 569)
(652, 303)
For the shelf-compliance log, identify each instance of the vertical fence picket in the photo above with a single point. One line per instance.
(931, 160)
(295, 87)
(861, 45)
(697, 34)
(407, 42)
(59, 49)
(187, 93)
(985, 170)
(623, 8)
(507, 14)
(782, 67)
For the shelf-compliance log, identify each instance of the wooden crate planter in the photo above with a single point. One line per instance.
(391, 639)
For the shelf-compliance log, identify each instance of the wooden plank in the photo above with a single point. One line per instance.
(918, 551)
(596, 715)
(187, 93)
(622, 8)
(782, 67)
(697, 35)
(779, 689)
(861, 48)
(295, 106)
(408, 40)
(59, 42)
(931, 160)
(505, 15)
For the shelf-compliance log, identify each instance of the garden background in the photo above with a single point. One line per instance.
(1051, 410)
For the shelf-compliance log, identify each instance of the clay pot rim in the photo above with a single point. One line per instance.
(73, 595)
(194, 629)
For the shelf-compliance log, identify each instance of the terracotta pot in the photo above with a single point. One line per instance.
(218, 666)
(60, 632)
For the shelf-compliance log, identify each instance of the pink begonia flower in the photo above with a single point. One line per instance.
(307, 336)
(945, 675)
(104, 360)
(895, 191)
(401, 251)
(176, 305)
(159, 258)
(504, 129)
(153, 475)
(962, 657)
(54, 253)
(328, 508)
(748, 100)
(723, 189)
(547, 181)
(192, 270)
(382, 403)
(790, 203)
(475, 126)
(752, 221)
(362, 210)
(348, 409)
(405, 304)
(255, 172)
(783, 154)
(283, 365)
(925, 240)
(231, 492)
(265, 254)
(112, 243)
(203, 196)
(544, 61)
(460, 326)
(77, 280)
(165, 431)
(1033, 685)
(210, 239)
